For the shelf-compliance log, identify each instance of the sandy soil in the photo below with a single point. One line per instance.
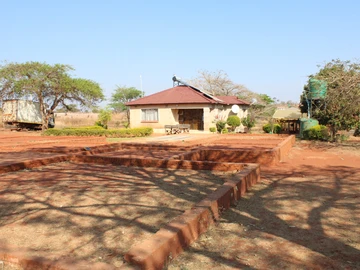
(304, 214)
(93, 212)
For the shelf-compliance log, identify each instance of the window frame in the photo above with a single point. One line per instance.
(144, 120)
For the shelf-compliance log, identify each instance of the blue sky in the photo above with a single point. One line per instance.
(269, 46)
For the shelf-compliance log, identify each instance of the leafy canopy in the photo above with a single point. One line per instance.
(339, 109)
(50, 85)
(122, 95)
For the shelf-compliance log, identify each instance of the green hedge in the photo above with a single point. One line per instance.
(276, 128)
(318, 132)
(111, 133)
(86, 128)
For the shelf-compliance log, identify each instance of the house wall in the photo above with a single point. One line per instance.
(168, 114)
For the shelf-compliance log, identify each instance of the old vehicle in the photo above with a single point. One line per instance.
(23, 114)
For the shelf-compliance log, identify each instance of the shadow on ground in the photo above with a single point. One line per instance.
(306, 219)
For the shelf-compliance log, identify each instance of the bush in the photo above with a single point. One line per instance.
(224, 130)
(342, 137)
(212, 129)
(104, 118)
(248, 122)
(233, 121)
(112, 133)
(276, 128)
(357, 132)
(318, 132)
(86, 128)
(220, 125)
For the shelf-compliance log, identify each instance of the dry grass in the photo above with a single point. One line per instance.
(86, 119)
(83, 119)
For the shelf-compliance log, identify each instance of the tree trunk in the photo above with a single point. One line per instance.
(333, 133)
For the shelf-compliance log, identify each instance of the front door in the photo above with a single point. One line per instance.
(193, 117)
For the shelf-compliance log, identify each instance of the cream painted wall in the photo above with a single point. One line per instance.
(169, 115)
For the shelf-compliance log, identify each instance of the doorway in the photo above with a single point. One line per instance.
(193, 117)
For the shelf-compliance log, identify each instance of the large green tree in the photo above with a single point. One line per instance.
(122, 95)
(50, 85)
(340, 108)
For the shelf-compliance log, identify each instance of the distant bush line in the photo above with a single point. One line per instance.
(99, 131)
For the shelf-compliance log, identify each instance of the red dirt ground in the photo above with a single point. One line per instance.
(94, 212)
(304, 214)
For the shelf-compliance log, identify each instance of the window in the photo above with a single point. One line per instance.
(149, 115)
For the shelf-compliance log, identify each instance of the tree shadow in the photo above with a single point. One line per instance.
(293, 222)
(97, 212)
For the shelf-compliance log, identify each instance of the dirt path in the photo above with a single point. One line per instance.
(304, 214)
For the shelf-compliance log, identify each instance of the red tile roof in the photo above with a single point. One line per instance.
(230, 100)
(183, 94)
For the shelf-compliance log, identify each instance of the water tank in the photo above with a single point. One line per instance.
(318, 89)
(306, 123)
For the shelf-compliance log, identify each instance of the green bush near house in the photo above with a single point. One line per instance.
(248, 122)
(212, 129)
(98, 131)
(86, 128)
(233, 121)
(318, 132)
(225, 130)
(220, 125)
(275, 129)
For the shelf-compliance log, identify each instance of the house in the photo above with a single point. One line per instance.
(184, 104)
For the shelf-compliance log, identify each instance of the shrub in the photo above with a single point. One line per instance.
(248, 122)
(275, 129)
(357, 132)
(342, 137)
(112, 133)
(224, 130)
(212, 129)
(233, 121)
(318, 132)
(86, 128)
(220, 125)
(104, 118)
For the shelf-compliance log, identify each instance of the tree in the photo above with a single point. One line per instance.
(50, 85)
(218, 84)
(266, 99)
(68, 108)
(339, 109)
(104, 118)
(123, 95)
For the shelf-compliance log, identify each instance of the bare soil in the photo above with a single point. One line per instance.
(31, 141)
(93, 212)
(304, 214)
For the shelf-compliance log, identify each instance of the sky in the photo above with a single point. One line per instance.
(268, 46)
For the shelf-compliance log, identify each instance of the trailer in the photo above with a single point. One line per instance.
(21, 114)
